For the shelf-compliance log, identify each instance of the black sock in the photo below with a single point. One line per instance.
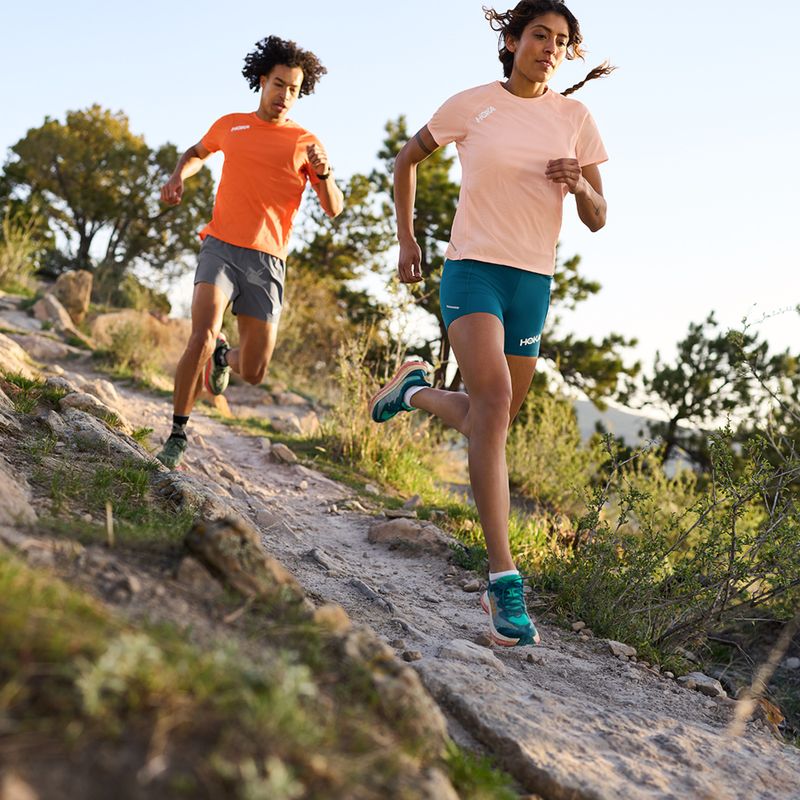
(179, 426)
(221, 356)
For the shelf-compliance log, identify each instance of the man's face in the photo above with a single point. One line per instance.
(279, 92)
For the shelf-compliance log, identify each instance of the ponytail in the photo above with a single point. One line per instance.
(598, 72)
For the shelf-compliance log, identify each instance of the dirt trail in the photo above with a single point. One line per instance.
(567, 718)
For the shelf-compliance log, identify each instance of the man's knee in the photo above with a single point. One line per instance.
(201, 344)
(253, 373)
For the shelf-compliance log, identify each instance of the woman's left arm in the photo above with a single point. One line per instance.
(587, 186)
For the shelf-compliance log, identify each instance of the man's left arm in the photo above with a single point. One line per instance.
(330, 195)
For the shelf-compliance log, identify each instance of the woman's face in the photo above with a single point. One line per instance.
(541, 48)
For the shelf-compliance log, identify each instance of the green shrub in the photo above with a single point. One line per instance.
(547, 460)
(17, 248)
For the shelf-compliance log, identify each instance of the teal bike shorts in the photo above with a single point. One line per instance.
(518, 298)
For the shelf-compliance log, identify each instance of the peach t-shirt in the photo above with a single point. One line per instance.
(263, 178)
(508, 212)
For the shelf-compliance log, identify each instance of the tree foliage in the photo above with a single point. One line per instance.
(715, 374)
(98, 185)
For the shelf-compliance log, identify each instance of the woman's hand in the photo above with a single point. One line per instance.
(409, 264)
(566, 171)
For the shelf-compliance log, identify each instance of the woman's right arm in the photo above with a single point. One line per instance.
(189, 164)
(414, 151)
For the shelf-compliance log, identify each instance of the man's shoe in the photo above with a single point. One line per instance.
(215, 377)
(389, 399)
(504, 602)
(171, 454)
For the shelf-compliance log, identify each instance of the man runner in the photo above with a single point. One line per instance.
(268, 159)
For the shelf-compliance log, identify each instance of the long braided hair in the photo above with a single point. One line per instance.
(512, 23)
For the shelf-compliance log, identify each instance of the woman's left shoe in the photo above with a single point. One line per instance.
(389, 399)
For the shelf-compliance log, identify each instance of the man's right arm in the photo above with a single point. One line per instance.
(188, 164)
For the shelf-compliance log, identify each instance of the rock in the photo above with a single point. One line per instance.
(15, 497)
(473, 585)
(13, 787)
(702, 683)
(413, 535)
(286, 423)
(412, 655)
(290, 399)
(282, 453)
(401, 696)
(398, 644)
(399, 513)
(61, 384)
(670, 675)
(46, 348)
(74, 289)
(483, 640)
(53, 423)
(196, 577)
(370, 488)
(620, 649)
(267, 519)
(49, 309)
(233, 550)
(534, 659)
(83, 401)
(372, 594)
(586, 633)
(106, 392)
(687, 654)
(413, 502)
(791, 663)
(14, 358)
(578, 626)
(462, 650)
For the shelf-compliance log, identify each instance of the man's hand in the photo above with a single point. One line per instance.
(318, 159)
(409, 263)
(566, 171)
(172, 190)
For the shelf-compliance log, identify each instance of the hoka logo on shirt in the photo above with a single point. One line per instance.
(530, 340)
(240, 128)
(485, 113)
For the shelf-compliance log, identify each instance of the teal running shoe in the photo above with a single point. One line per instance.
(215, 377)
(171, 454)
(389, 400)
(504, 602)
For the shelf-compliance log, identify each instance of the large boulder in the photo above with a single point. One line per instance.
(413, 535)
(15, 498)
(73, 289)
(13, 358)
(165, 339)
(49, 309)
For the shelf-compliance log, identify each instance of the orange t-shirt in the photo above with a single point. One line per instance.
(508, 212)
(263, 178)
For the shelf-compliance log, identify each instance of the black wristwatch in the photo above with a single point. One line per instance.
(325, 176)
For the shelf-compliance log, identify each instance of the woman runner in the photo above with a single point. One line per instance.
(522, 148)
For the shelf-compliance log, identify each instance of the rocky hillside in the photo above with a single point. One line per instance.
(250, 628)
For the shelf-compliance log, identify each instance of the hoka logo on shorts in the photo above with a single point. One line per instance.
(485, 113)
(240, 128)
(530, 340)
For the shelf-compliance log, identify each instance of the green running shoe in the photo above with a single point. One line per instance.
(215, 378)
(389, 399)
(171, 454)
(504, 602)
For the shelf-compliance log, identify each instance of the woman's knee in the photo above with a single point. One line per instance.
(492, 410)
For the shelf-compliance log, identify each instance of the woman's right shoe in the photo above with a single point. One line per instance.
(509, 623)
(389, 399)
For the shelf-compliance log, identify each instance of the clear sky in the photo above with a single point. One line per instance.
(699, 121)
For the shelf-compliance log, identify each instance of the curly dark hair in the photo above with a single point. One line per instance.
(513, 22)
(270, 52)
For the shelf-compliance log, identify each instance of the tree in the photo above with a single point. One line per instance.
(594, 367)
(98, 185)
(712, 376)
(328, 301)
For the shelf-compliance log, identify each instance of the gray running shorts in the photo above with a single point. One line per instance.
(252, 280)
